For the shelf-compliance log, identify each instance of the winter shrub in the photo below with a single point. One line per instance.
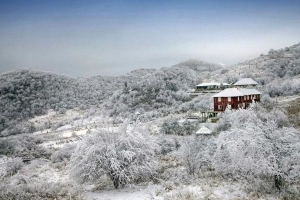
(266, 100)
(282, 87)
(182, 96)
(125, 156)
(40, 191)
(173, 127)
(9, 166)
(258, 147)
(196, 153)
(222, 125)
(23, 146)
(168, 144)
(63, 154)
(202, 102)
(189, 128)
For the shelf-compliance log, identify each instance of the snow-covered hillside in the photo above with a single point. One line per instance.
(133, 136)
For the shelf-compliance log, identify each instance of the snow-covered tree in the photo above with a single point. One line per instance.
(258, 146)
(197, 152)
(125, 156)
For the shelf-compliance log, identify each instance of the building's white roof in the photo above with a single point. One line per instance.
(211, 84)
(246, 81)
(249, 91)
(229, 92)
(236, 92)
(204, 130)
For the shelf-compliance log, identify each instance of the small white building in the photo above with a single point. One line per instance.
(244, 82)
(207, 86)
(203, 131)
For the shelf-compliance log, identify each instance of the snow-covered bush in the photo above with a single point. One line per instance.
(266, 100)
(258, 147)
(222, 125)
(23, 146)
(282, 87)
(189, 128)
(196, 153)
(40, 191)
(168, 144)
(125, 156)
(173, 127)
(9, 166)
(63, 154)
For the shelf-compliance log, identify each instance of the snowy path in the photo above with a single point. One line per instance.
(133, 193)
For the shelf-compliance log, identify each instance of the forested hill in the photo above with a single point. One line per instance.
(277, 72)
(27, 93)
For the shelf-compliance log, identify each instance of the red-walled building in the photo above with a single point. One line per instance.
(234, 98)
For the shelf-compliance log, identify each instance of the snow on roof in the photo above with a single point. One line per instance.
(211, 84)
(229, 92)
(249, 91)
(204, 130)
(246, 81)
(236, 92)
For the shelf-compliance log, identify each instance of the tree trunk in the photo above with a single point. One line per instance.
(116, 183)
(278, 181)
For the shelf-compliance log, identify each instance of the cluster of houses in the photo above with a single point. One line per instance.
(233, 96)
(245, 82)
(238, 95)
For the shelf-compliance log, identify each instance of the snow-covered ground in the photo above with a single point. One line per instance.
(128, 193)
(201, 189)
(78, 126)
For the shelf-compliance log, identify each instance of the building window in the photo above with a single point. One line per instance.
(229, 107)
(238, 98)
(219, 99)
(219, 107)
(229, 99)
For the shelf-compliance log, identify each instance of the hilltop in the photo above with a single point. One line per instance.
(278, 72)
